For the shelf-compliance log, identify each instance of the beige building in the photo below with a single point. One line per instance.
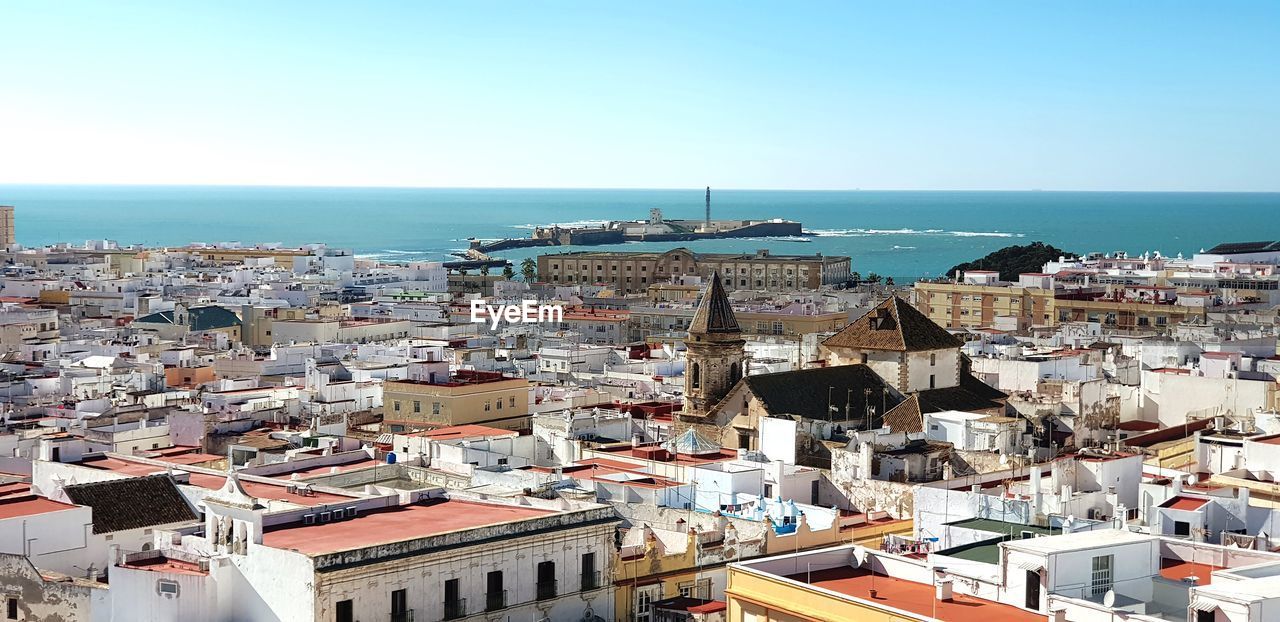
(1018, 306)
(435, 396)
(634, 272)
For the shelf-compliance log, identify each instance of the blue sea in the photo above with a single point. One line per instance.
(904, 234)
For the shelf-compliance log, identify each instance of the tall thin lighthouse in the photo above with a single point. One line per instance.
(708, 223)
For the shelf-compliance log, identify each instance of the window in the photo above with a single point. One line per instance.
(167, 588)
(1181, 528)
(499, 404)
(1207, 616)
(590, 578)
(932, 381)
(435, 408)
(454, 606)
(495, 597)
(644, 602)
(695, 378)
(344, 611)
(395, 405)
(400, 606)
(546, 586)
(417, 406)
(933, 358)
(513, 402)
(1101, 579)
(488, 405)
(864, 358)
(11, 609)
(696, 589)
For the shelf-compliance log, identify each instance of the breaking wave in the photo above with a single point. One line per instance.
(858, 233)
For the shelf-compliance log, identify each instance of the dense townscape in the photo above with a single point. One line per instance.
(228, 431)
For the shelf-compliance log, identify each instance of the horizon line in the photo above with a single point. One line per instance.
(620, 188)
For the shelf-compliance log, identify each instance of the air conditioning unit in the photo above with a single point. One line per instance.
(325, 516)
(351, 511)
(291, 489)
(339, 514)
(308, 519)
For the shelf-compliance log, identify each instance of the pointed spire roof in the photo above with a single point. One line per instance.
(714, 314)
(894, 325)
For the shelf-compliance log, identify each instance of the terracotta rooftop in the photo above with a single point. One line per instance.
(1184, 503)
(454, 432)
(397, 524)
(166, 565)
(271, 491)
(1178, 570)
(14, 507)
(915, 597)
(325, 469)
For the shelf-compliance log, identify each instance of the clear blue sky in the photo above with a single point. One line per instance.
(899, 95)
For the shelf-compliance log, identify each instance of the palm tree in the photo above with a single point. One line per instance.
(888, 281)
(484, 270)
(529, 269)
(508, 272)
(856, 277)
(873, 278)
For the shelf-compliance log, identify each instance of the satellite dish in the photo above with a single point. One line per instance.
(1109, 599)
(1192, 480)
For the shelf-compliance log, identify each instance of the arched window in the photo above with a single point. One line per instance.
(695, 376)
(735, 374)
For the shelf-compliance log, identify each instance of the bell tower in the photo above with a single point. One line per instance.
(714, 361)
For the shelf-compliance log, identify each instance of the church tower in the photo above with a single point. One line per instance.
(715, 353)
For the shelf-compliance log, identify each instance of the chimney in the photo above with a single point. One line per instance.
(942, 589)
(1177, 484)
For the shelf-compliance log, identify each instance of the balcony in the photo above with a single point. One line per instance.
(494, 601)
(546, 589)
(402, 616)
(590, 581)
(454, 609)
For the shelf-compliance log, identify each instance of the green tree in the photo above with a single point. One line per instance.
(856, 277)
(873, 278)
(508, 272)
(529, 269)
(888, 280)
(484, 270)
(1011, 261)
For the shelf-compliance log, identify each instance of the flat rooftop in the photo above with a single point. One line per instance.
(274, 492)
(326, 469)
(915, 597)
(15, 507)
(397, 524)
(1177, 570)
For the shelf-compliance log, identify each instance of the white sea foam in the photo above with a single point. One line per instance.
(576, 223)
(858, 233)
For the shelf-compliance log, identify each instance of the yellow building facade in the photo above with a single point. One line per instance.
(487, 398)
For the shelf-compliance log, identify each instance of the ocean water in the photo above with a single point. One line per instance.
(904, 234)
